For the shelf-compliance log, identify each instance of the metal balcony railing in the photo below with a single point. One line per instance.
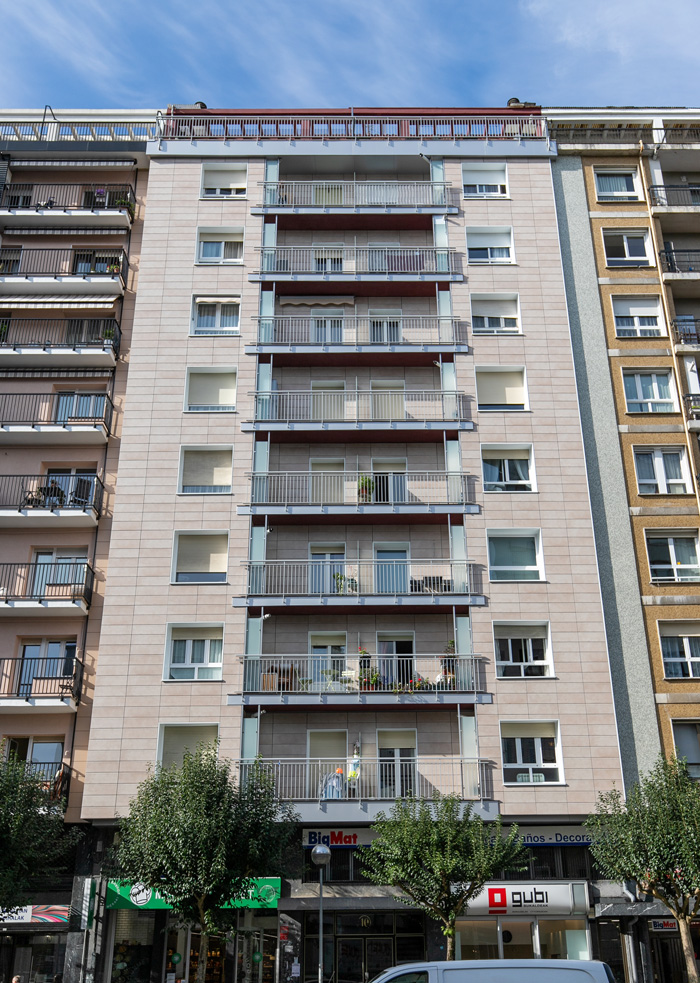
(601, 133)
(56, 580)
(395, 674)
(686, 330)
(79, 131)
(74, 332)
(72, 261)
(674, 194)
(353, 127)
(358, 488)
(419, 330)
(691, 402)
(680, 260)
(92, 197)
(353, 780)
(356, 260)
(352, 578)
(358, 194)
(51, 677)
(81, 492)
(352, 406)
(59, 409)
(53, 777)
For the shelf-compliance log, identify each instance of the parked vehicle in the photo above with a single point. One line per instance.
(500, 971)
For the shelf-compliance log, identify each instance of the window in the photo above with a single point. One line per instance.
(201, 558)
(662, 471)
(490, 245)
(206, 471)
(649, 392)
(530, 753)
(521, 650)
(637, 317)
(625, 248)
(616, 186)
(224, 181)
(686, 735)
(514, 555)
(220, 246)
(483, 180)
(175, 739)
(501, 389)
(495, 314)
(673, 558)
(211, 391)
(680, 647)
(194, 652)
(46, 668)
(507, 469)
(213, 315)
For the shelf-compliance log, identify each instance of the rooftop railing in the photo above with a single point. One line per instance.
(395, 674)
(358, 194)
(354, 488)
(350, 578)
(59, 409)
(58, 580)
(680, 260)
(81, 492)
(46, 333)
(674, 194)
(50, 677)
(419, 330)
(352, 406)
(686, 330)
(20, 261)
(601, 133)
(79, 131)
(354, 260)
(92, 197)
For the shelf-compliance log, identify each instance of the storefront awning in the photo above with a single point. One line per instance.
(264, 892)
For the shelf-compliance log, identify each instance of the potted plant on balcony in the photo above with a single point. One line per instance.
(113, 268)
(339, 579)
(370, 678)
(365, 487)
(125, 203)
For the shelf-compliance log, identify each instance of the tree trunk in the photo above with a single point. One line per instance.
(688, 951)
(450, 936)
(203, 953)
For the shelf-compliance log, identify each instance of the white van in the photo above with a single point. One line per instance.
(500, 971)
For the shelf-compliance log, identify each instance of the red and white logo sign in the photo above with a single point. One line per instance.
(498, 900)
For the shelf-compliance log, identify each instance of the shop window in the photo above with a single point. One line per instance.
(564, 938)
(478, 939)
(133, 946)
(344, 866)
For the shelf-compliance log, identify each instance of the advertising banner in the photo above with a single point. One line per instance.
(264, 892)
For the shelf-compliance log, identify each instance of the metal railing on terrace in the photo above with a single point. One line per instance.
(60, 409)
(354, 260)
(686, 330)
(92, 197)
(682, 134)
(358, 488)
(674, 194)
(419, 330)
(79, 131)
(54, 580)
(351, 127)
(395, 674)
(348, 578)
(53, 777)
(680, 260)
(41, 332)
(81, 492)
(20, 261)
(352, 406)
(358, 194)
(601, 133)
(350, 779)
(50, 677)
(691, 402)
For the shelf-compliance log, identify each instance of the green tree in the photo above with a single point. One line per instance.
(653, 838)
(34, 840)
(197, 836)
(439, 855)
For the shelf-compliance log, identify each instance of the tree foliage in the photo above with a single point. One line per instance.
(653, 838)
(34, 840)
(197, 837)
(439, 855)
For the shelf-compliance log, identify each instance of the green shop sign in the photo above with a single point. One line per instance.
(264, 892)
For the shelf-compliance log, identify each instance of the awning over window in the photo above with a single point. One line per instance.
(330, 300)
(17, 163)
(58, 231)
(44, 302)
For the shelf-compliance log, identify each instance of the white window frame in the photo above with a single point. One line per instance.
(498, 169)
(535, 534)
(657, 454)
(217, 303)
(687, 659)
(229, 194)
(545, 664)
(501, 329)
(502, 450)
(496, 260)
(676, 568)
(223, 235)
(692, 766)
(211, 407)
(507, 408)
(655, 399)
(618, 196)
(199, 532)
(168, 664)
(628, 262)
(638, 330)
(181, 723)
(202, 447)
(539, 765)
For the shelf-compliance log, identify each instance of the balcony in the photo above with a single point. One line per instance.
(369, 197)
(359, 494)
(71, 270)
(73, 342)
(61, 587)
(691, 405)
(359, 583)
(686, 331)
(337, 410)
(680, 261)
(347, 681)
(674, 196)
(55, 418)
(40, 501)
(357, 263)
(54, 778)
(47, 684)
(28, 205)
(344, 788)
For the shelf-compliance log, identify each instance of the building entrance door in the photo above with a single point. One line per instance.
(361, 959)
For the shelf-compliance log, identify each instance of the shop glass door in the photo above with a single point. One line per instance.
(518, 939)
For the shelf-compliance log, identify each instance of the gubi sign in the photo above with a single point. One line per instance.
(264, 892)
(526, 898)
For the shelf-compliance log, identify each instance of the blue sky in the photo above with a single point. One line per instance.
(337, 53)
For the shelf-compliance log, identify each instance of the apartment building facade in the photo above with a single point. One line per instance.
(626, 186)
